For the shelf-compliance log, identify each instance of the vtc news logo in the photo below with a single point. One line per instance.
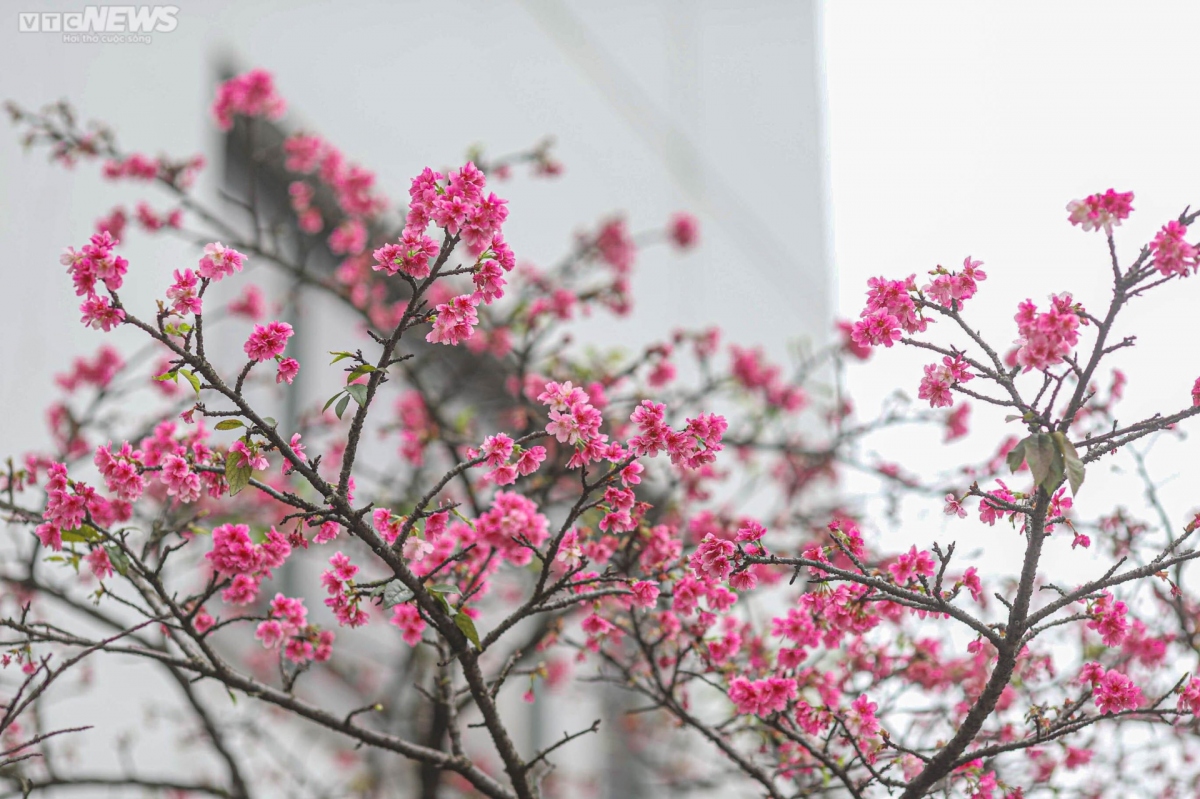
(101, 19)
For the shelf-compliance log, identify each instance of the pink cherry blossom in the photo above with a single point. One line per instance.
(288, 369)
(100, 314)
(184, 293)
(180, 480)
(268, 341)
(683, 230)
(1101, 211)
(1046, 338)
(1173, 255)
(455, 321)
(408, 619)
(912, 564)
(1115, 692)
(875, 328)
(220, 261)
(251, 94)
(251, 304)
(100, 564)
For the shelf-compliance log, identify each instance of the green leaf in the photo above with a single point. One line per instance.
(359, 371)
(236, 474)
(173, 376)
(1074, 465)
(1017, 456)
(330, 401)
(229, 424)
(1045, 461)
(358, 391)
(271, 423)
(463, 622)
(445, 588)
(191, 378)
(118, 558)
(82, 534)
(395, 593)
(1057, 471)
(441, 600)
(463, 419)
(341, 406)
(339, 356)
(1039, 452)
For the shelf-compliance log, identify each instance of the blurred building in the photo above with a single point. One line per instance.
(712, 106)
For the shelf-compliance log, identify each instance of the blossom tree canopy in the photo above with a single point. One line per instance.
(388, 569)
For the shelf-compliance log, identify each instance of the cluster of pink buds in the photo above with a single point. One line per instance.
(235, 555)
(287, 627)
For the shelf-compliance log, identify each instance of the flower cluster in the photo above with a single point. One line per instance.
(1101, 211)
(343, 599)
(268, 341)
(97, 263)
(152, 220)
(353, 189)
(122, 471)
(696, 445)
(458, 204)
(411, 255)
(235, 555)
(1108, 619)
(498, 451)
(890, 309)
(220, 261)
(1046, 338)
(575, 420)
(684, 230)
(407, 618)
(416, 426)
(97, 371)
(761, 697)
(512, 527)
(1173, 255)
(714, 559)
(911, 565)
(455, 321)
(249, 456)
(948, 287)
(1112, 690)
(751, 369)
(287, 627)
(250, 95)
(935, 385)
(180, 480)
(184, 293)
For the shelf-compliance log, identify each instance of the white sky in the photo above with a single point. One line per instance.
(965, 128)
